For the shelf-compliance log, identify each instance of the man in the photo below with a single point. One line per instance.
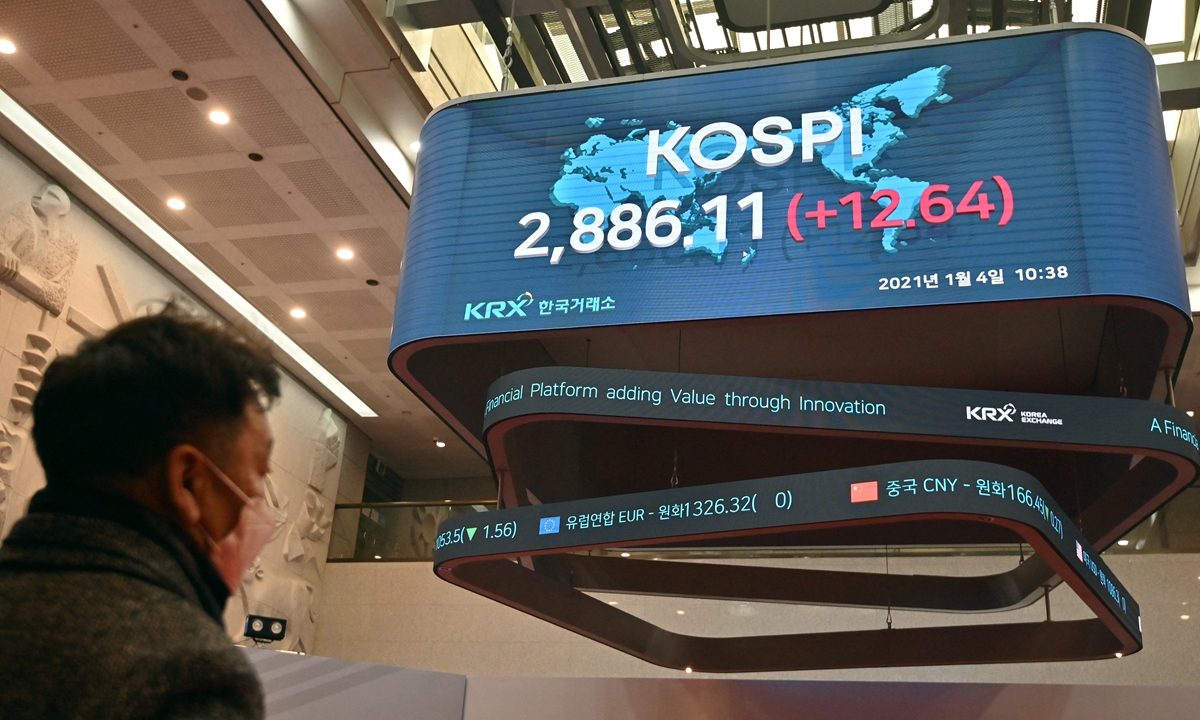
(155, 442)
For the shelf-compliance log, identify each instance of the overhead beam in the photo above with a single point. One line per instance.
(582, 34)
(958, 16)
(542, 59)
(1133, 15)
(1179, 84)
(493, 20)
(629, 36)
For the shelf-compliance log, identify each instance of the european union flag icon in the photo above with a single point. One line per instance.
(548, 526)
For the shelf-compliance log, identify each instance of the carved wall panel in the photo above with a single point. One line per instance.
(66, 277)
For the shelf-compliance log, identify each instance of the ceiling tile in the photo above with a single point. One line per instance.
(326, 357)
(10, 78)
(323, 188)
(71, 40)
(293, 258)
(184, 28)
(154, 206)
(219, 264)
(158, 124)
(376, 248)
(369, 396)
(345, 310)
(276, 314)
(253, 107)
(75, 136)
(231, 197)
(372, 353)
(271, 131)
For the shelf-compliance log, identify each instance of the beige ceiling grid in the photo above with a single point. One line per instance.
(98, 74)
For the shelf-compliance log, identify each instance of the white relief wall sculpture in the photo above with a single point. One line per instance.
(278, 502)
(302, 545)
(35, 358)
(37, 253)
(285, 579)
(12, 448)
(326, 444)
(316, 517)
(317, 514)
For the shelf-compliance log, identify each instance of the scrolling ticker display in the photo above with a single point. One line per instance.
(922, 195)
(898, 493)
(979, 422)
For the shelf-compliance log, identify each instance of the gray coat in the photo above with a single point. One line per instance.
(106, 611)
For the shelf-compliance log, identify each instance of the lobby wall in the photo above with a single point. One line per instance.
(85, 278)
(399, 613)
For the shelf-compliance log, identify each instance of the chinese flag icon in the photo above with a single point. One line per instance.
(864, 492)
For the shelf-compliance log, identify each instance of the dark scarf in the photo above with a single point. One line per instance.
(196, 566)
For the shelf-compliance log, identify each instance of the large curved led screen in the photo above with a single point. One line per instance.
(1025, 167)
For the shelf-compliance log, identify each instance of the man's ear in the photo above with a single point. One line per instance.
(187, 484)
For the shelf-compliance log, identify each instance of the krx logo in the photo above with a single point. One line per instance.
(990, 413)
(498, 309)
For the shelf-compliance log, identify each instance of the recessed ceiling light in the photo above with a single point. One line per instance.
(612, 602)
(1185, 617)
(298, 313)
(176, 204)
(624, 554)
(416, 146)
(220, 117)
(687, 670)
(1120, 655)
(1122, 543)
(439, 443)
(1191, 413)
(7, 47)
(378, 557)
(678, 612)
(345, 253)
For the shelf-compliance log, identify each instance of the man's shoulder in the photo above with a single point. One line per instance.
(124, 643)
(100, 622)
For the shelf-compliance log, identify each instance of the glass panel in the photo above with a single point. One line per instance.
(1166, 22)
(1175, 528)
(405, 532)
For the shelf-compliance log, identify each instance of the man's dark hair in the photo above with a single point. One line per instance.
(117, 406)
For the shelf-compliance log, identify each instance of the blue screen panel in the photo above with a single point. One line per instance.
(1024, 166)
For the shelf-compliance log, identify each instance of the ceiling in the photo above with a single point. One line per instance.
(98, 73)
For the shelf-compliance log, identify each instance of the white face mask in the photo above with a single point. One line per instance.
(235, 553)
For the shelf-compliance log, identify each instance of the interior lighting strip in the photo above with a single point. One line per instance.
(40, 134)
